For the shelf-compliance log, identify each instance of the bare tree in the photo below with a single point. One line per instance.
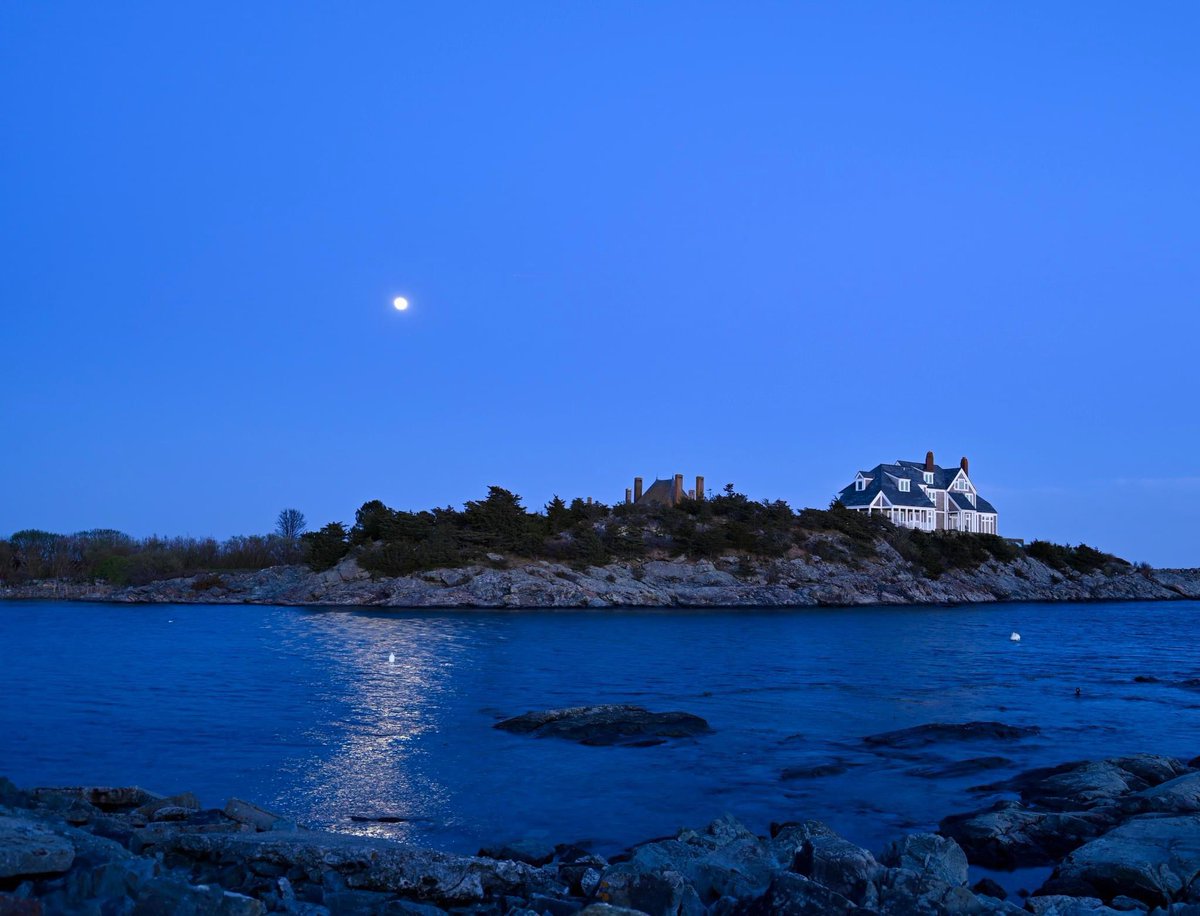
(290, 524)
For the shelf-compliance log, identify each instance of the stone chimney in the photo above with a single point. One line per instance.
(677, 496)
(637, 489)
(628, 496)
(589, 502)
(929, 465)
(699, 487)
(965, 466)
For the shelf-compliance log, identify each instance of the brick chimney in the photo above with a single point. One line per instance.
(677, 497)
(929, 465)
(699, 487)
(637, 489)
(628, 496)
(965, 466)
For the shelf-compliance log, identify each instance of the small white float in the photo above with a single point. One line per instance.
(1016, 637)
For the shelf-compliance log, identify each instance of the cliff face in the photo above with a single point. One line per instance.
(726, 582)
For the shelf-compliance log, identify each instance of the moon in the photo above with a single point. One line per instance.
(400, 303)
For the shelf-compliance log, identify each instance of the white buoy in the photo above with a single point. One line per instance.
(1016, 637)
(392, 657)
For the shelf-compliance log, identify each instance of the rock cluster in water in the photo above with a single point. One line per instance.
(1122, 835)
(726, 582)
(607, 725)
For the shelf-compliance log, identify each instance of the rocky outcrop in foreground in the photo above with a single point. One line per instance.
(1122, 835)
(726, 582)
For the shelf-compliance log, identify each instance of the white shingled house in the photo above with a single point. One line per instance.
(921, 495)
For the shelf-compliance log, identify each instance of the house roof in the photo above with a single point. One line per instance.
(661, 492)
(884, 477)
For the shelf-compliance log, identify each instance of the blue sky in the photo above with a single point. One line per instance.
(770, 243)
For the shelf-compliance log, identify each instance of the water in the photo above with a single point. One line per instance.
(301, 710)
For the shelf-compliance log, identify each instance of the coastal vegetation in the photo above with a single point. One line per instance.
(390, 542)
(498, 528)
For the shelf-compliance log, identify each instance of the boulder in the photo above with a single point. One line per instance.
(1086, 785)
(1180, 795)
(938, 732)
(167, 894)
(722, 860)
(251, 815)
(28, 848)
(526, 851)
(788, 839)
(106, 798)
(1060, 905)
(1009, 835)
(359, 863)
(797, 895)
(606, 725)
(929, 855)
(841, 866)
(1150, 858)
(185, 800)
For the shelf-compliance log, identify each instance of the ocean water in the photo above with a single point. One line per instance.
(300, 709)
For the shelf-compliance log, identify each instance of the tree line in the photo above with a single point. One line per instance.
(104, 554)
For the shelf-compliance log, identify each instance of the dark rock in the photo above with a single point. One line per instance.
(1146, 679)
(788, 839)
(185, 800)
(607, 909)
(1009, 835)
(814, 772)
(606, 725)
(380, 818)
(1150, 858)
(172, 813)
(937, 732)
(840, 866)
(797, 895)
(28, 848)
(989, 888)
(643, 891)
(167, 894)
(930, 856)
(959, 768)
(338, 860)
(1099, 783)
(1060, 905)
(11, 905)
(521, 851)
(251, 815)
(1180, 795)
(106, 798)
(723, 859)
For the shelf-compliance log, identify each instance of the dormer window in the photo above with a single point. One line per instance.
(929, 476)
(903, 486)
(860, 484)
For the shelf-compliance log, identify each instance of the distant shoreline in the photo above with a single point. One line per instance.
(727, 582)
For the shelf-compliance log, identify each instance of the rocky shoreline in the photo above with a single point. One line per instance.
(505, 582)
(1118, 836)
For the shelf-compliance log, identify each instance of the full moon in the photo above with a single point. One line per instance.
(400, 303)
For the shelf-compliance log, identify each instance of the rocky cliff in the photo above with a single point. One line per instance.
(885, 578)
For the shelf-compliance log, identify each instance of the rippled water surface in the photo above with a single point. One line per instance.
(301, 710)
